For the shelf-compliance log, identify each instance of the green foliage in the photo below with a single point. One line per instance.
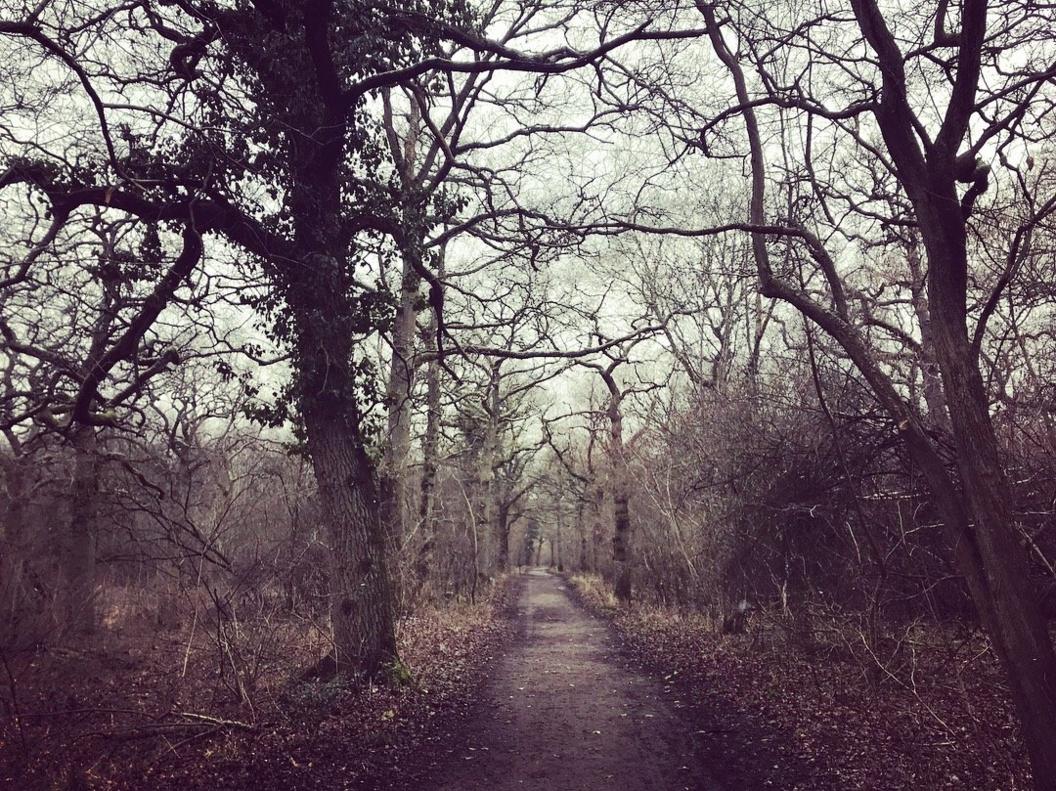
(401, 674)
(265, 130)
(268, 156)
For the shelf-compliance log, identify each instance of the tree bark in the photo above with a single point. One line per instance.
(398, 398)
(13, 558)
(934, 397)
(621, 538)
(325, 320)
(487, 506)
(430, 451)
(78, 551)
(620, 548)
(360, 593)
(430, 465)
(999, 576)
(502, 539)
(560, 530)
(402, 365)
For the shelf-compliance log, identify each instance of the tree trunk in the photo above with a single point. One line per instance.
(13, 554)
(486, 507)
(364, 638)
(402, 365)
(502, 539)
(78, 551)
(621, 537)
(581, 530)
(360, 594)
(361, 602)
(560, 559)
(398, 398)
(596, 525)
(430, 451)
(326, 319)
(482, 519)
(986, 546)
(934, 397)
(996, 568)
(398, 395)
(620, 548)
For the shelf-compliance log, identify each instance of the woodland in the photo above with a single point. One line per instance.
(322, 322)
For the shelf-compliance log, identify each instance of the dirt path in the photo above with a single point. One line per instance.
(562, 713)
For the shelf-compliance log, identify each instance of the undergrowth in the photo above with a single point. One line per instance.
(828, 714)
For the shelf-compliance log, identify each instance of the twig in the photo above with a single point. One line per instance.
(16, 715)
(217, 721)
(194, 622)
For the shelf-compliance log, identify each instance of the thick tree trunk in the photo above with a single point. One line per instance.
(997, 577)
(361, 601)
(78, 549)
(502, 540)
(361, 606)
(325, 319)
(13, 555)
(360, 593)
(79, 541)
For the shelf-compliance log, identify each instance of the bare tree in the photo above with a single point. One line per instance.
(928, 168)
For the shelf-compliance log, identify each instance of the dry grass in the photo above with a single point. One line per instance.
(594, 591)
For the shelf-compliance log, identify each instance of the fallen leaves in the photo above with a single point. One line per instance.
(303, 736)
(772, 717)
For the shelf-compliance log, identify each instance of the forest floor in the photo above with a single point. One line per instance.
(780, 716)
(139, 708)
(542, 684)
(562, 711)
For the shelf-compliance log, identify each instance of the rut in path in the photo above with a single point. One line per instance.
(561, 713)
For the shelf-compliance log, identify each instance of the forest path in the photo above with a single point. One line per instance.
(561, 712)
